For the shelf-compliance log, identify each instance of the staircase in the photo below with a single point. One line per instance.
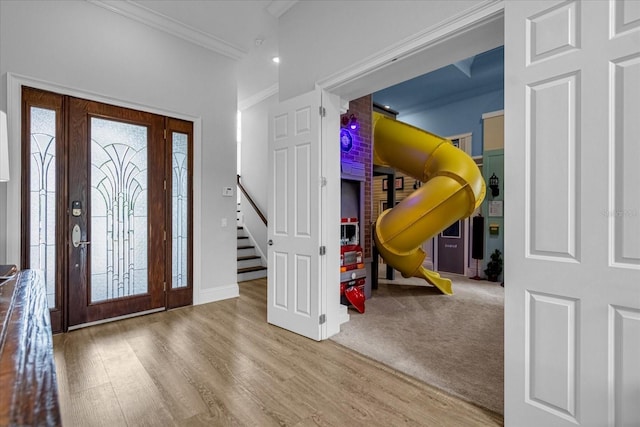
(250, 264)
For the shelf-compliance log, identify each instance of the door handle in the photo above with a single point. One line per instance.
(270, 242)
(75, 237)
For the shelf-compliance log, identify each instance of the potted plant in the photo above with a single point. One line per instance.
(494, 267)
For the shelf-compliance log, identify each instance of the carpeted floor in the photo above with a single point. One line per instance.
(452, 342)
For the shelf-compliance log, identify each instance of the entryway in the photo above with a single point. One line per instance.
(109, 195)
(415, 313)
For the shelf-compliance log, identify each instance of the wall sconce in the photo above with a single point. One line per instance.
(4, 148)
(494, 183)
(346, 141)
(349, 121)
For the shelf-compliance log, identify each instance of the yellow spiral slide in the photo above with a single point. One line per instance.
(452, 189)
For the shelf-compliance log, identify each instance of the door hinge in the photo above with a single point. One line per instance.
(165, 286)
(165, 235)
(165, 134)
(323, 250)
(323, 319)
(165, 185)
(322, 111)
(323, 181)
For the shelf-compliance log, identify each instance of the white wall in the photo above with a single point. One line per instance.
(255, 166)
(87, 49)
(320, 38)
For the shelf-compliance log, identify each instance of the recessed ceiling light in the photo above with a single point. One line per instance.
(276, 59)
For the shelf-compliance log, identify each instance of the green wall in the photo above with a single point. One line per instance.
(493, 162)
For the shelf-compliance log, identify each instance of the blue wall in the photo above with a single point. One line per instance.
(458, 117)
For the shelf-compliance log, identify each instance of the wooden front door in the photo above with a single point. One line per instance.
(108, 191)
(117, 221)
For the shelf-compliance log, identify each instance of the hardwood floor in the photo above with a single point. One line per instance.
(221, 364)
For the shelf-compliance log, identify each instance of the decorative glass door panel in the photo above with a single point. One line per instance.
(118, 210)
(42, 247)
(179, 212)
(42, 243)
(180, 167)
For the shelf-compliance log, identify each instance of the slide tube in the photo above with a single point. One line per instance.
(452, 189)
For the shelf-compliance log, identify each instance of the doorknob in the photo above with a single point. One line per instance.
(75, 237)
(270, 242)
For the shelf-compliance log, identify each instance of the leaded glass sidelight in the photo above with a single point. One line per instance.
(179, 216)
(119, 233)
(42, 188)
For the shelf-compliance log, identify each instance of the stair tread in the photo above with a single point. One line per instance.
(248, 257)
(249, 269)
(243, 237)
(246, 247)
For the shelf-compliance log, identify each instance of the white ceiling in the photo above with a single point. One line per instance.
(243, 30)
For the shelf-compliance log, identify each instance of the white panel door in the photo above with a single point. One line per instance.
(293, 300)
(572, 227)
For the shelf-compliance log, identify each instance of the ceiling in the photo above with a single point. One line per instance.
(467, 78)
(247, 32)
(242, 30)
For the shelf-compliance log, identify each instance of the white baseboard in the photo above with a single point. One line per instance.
(334, 320)
(216, 294)
(343, 315)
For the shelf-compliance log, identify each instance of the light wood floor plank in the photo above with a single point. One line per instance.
(80, 356)
(221, 364)
(97, 406)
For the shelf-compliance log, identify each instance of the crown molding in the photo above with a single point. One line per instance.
(491, 114)
(277, 8)
(171, 26)
(258, 97)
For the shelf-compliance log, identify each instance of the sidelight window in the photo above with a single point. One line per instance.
(42, 191)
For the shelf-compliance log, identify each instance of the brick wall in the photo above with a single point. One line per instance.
(362, 153)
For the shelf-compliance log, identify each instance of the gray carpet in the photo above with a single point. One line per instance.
(452, 342)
